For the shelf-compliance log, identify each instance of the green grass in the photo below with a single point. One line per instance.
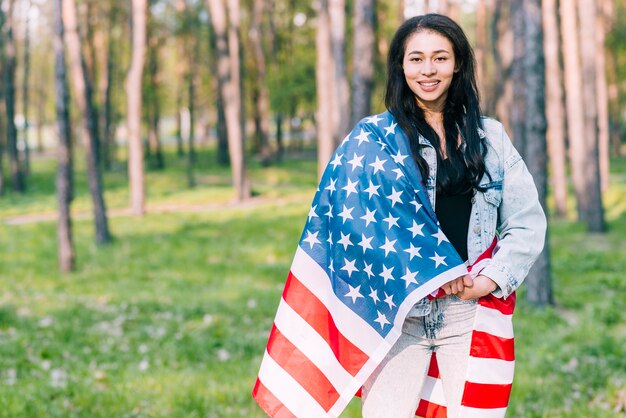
(171, 320)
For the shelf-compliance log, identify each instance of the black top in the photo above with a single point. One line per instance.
(453, 207)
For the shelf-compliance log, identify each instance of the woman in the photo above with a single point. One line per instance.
(478, 184)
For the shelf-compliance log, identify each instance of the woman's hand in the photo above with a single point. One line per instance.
(457, 285)
(481, 286)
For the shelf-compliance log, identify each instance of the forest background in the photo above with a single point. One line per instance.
(158, 159)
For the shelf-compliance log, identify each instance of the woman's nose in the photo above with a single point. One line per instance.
(428, 68)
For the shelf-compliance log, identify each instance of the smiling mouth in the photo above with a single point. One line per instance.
(429, 83)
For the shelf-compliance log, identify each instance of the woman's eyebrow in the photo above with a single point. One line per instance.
(434, 52)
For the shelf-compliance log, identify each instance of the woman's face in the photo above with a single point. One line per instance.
(429, 66)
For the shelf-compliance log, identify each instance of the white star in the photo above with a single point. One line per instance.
(391, 129)
(368, 217)
(330, 239)
(312, 238)
(373, 119)
(386, 273)
(345, 241)
(312, 213)
(438, 259)
(394, 196)
(388, 246)
(349, 267)
(345, 139)
(372, 190)
(356, 161)
(336, 161)
(418, 206)
(391, 220)
(382, 320)
(330, 211)
(389, 300)
(399, 158)
(366, 242)
(350, 188)
(374, 295)
(399, 173)
(330, 266)
(378, 165)
(331, 186)
(416, 229)
(381, 143)
(368, 269)
(362, 136)
(440, 236)
(354, 293)
(346, 213)
(409, 277)
(413, 251)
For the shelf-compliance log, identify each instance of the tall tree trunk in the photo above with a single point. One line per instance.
(154, 107)
(191, 105)
(554, 106)
(518, 77)
(221, 132)
(363, 58)
(17, 174)
(603, 97)
(443, 7)
(615, 129)
(181, 77)
(134, 93)
(83, 89)
(105, 50)
(502, 35)
(25, 89)
(261, 96)
(480, 51)
(539, 283)
(227, 42)
(591, 169)
(325, 89)
(64, 150)
(341, 113)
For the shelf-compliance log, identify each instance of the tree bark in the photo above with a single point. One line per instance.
(502, 35)
(591, 169)
(25, 91)
(341, 113)
(363, 59)
(64, 151)
(554, 107)
(191, 105)
(325, 89)
(601, 28)
(134, 93)
(480, 51)
(83, 89)
(518, 77)
(154, 106)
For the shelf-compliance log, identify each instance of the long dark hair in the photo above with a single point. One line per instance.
(461, 112)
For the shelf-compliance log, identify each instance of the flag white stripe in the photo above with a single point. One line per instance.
(351, 325)
(288, 390)
(490, 371)
(467, 412)
(311, 344)
(432, 391)
(493, 322)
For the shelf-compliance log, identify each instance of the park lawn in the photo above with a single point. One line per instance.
(171, 320)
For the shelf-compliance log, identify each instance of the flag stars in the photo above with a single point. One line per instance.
(330, 211)
(374, 295)
(416, 229)
(438, 259)
(417, 205)
(346, 213)
(391, 221)
(356, 161)
(368, 270)
(336, 161)
(440, 236)
(394, 197)
(399, 173)
(331, 187)
(349, 266)
(388, 246)
(311, 239)
(389, 301)
(372, 190)
(373, 119)
(350, 187)
(413, 251)
(369, 217)
(354, 293)
(409, 277)
(386, 273)
(391, 129)
(381, 143)
(366, 243)
(378, 165)
(312, 213)
(399, 158)
(362, 136)
(382, 320)
(345, 241)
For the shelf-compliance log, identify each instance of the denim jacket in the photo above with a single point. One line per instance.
(509, 207)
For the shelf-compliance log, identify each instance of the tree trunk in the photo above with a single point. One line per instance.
(154, 107)
(25, 90)
(83, 90)
(614, 105)
(518, 78)
(591, 169)
(134, 93)
(105, 79)
(443, 7)
(539, 283)
(64, 150)
(341, 113)
(261, 97)
(480, 51)
(603, 98)
(325, 89)
(227, 45)
(502, 35)
(17, 174)
(363, 59)
(191, 105)
(554, 107)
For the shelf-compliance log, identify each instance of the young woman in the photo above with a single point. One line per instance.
(477, 184)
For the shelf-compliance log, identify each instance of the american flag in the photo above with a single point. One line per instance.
(371, 248)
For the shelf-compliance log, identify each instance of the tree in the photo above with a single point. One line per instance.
(554, 106)
(25, 89)
(84, 92)
(134, 94)
(324, 77)
(502, 35)
(363, 59)
(601, 28)
(64, 149)
(152, 95)
(341, 111)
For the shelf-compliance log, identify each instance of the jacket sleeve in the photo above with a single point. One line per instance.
(522, 224)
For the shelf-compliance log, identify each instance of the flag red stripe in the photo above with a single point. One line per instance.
(270, 403)
(294, 362)
(313, 311)
(481, 395)
(431, 410)
(506, 307)
(433, 368)
(485, 345)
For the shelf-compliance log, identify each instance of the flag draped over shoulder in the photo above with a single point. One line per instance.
(371, 249)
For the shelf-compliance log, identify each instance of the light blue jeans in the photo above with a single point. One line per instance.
(393, 390)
